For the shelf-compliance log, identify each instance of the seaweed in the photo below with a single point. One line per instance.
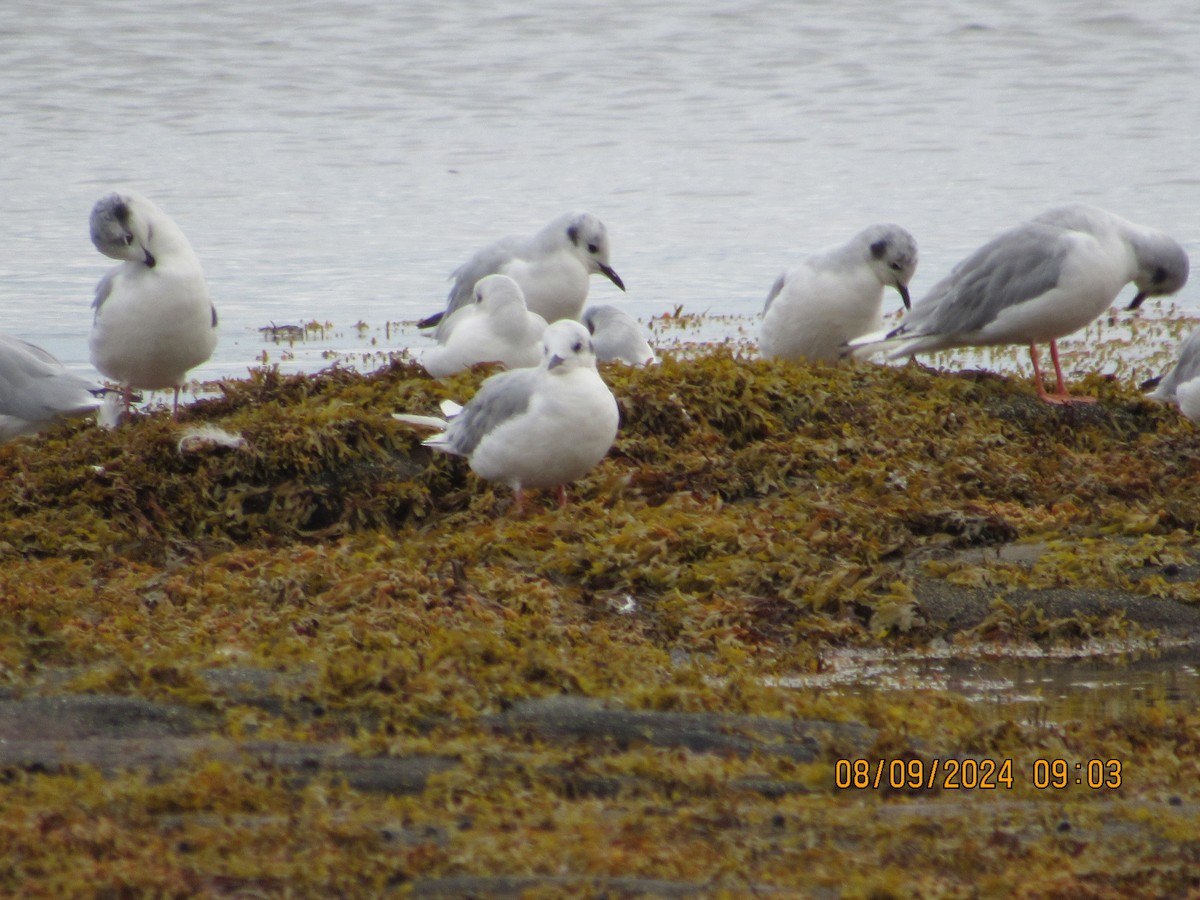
(327, 598)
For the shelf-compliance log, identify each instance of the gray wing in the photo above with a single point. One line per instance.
(501, 397)
(488, 261)
(104, 288)
(1187, 368)
(775, 289)
(35, 386)
(1023, 263)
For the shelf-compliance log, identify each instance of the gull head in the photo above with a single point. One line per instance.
(498, 292)
(566, 346)
(892, 255)
(1162, 266)
(589, 238)
(121, 228)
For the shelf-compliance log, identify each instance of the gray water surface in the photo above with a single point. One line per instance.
(335, 161)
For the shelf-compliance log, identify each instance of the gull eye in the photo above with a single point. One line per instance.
(577, 346)
(127, 238)
(593, 248)
(895, 267)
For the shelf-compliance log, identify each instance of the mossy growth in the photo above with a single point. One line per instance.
(751, 518)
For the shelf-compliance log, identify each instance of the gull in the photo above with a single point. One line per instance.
(836, 295)
(539, 427)
(36, 390)
(1182, 384)
(552, 267)
(1035, 283)
(497, 327)
(617, 336)
(153, 321)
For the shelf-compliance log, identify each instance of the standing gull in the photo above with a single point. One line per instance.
(154, 321)
(36, 390)
(552, 267)
(497, 327)
(1037, 282)
(534, 428)
(617, 336)
(836, 295)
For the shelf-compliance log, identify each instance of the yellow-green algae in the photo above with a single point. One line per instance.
(751, 517)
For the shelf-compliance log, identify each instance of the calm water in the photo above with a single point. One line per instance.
(334, 161)
(1026, 684)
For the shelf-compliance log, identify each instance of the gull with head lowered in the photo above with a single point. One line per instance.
(552, 267)
(617, 336)
(497, 327)
(1038, 282)
(836, 295)
(539, 427)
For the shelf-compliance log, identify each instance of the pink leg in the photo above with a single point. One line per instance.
(1060, 394)
(562, 496)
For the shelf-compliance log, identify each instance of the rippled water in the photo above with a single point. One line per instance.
(334, 161)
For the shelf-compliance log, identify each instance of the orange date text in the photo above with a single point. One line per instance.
(914, 774)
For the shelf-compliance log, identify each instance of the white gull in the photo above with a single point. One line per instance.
(617, 336)
(153, 320)
(36, 390)
(1182, 384)
(836, 295)
(497, 327)
(552, 267)
(539, 427)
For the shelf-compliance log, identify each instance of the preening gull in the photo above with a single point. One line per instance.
(836, 295)
(497, 327)
(552, 267)
(153, 321)
(539, 427)
(617, 336)
(36, 390)
(1037, 282)
(1182, 384)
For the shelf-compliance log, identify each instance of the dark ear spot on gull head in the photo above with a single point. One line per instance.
(878, 249)
(1169, 274)
(577, 347)
(573, 234)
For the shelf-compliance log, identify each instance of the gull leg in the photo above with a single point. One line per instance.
(1060, 395)
(562, 496)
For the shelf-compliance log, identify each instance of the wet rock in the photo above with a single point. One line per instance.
(567, 717)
